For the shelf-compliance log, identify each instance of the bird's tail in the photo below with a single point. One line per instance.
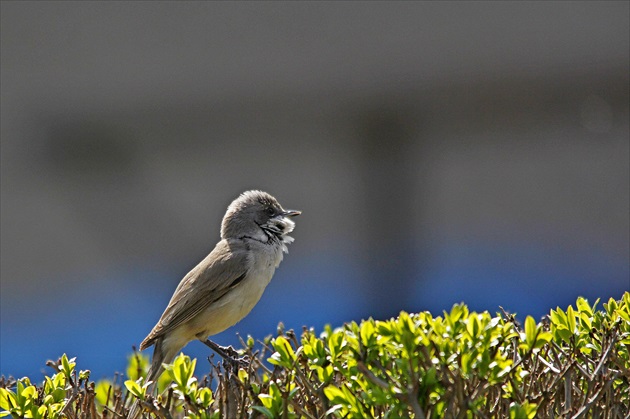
(160, 357)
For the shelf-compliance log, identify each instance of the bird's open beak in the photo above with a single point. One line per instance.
(291, 213)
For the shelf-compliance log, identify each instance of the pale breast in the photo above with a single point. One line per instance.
(237, 303)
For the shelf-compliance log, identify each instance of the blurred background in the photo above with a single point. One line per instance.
(440, 152)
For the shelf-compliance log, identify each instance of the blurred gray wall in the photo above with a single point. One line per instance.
(439, 152)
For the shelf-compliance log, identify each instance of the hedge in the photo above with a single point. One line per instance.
(575, 363)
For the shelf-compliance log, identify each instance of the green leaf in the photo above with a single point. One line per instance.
(335, 395)
(586, 320)
(325, 374)
(136, 389)
(7, 399)
(137, 366)
(367, 332)
(67, 366)
(204, 397)
(335, 345)
(102, 389)
(524, 410)
(182, 372)
(542, 339)
(473, 327)
(264, 411)
(530, 332)
(583, 306)
(571, 320)
(610, 307)
(466, 362)
(25, 395)
(266, 400)
(284, 355)
(84, 375)
(624, 315)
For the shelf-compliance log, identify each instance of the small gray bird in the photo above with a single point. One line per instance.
(224, 287)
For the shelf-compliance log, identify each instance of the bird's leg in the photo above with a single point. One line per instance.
(228, 353)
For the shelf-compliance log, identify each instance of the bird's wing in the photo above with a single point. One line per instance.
(222, 270)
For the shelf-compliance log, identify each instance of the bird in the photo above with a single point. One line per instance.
(226, 285)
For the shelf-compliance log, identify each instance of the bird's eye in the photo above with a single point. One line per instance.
(270, 211)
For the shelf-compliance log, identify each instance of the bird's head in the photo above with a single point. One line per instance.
(258, 215)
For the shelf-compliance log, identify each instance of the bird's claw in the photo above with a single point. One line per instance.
(240, 362)
(229, 355)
